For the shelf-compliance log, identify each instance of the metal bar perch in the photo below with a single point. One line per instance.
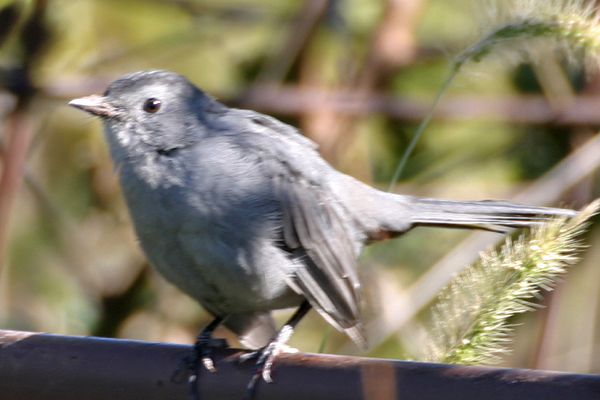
(45, 366)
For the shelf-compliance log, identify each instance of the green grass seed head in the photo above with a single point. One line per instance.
(570, 26)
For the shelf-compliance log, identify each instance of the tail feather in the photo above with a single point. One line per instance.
(483, 214)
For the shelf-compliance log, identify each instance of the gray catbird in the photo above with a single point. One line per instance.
(240, 211)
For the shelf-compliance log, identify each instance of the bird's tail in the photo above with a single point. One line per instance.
(483, 214)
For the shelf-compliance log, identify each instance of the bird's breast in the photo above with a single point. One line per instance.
(215, 236)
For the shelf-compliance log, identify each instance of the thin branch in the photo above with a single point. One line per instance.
(21, 129)
(299, 32)
(531, 109)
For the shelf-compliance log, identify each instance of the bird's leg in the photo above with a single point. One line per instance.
(201, 352)
(203, 347)
(267, 355)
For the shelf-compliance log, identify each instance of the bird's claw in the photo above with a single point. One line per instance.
(264, 364)
(199, 354)
(209, 364)
(270, 359)
(202, 353)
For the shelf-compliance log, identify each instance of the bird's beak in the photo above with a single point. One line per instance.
(95, 104)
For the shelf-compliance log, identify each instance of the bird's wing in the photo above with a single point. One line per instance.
(315, 228)
(316, 233)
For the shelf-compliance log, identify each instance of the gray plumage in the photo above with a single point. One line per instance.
(241, 212)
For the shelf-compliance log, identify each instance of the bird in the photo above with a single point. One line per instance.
(240, 211)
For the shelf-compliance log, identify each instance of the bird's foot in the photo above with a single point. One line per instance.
(265, 359)
(201, 354)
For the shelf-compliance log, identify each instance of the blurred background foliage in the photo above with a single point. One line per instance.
(356, 76)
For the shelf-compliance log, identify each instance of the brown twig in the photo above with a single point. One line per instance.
(531, 109)
(21, 129)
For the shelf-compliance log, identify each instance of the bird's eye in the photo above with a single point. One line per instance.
(152, 105)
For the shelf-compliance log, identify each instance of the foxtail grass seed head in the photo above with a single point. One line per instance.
(518, 26)
(470, 319)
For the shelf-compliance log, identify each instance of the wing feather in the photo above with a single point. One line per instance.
(318, 236)
(315, 228)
